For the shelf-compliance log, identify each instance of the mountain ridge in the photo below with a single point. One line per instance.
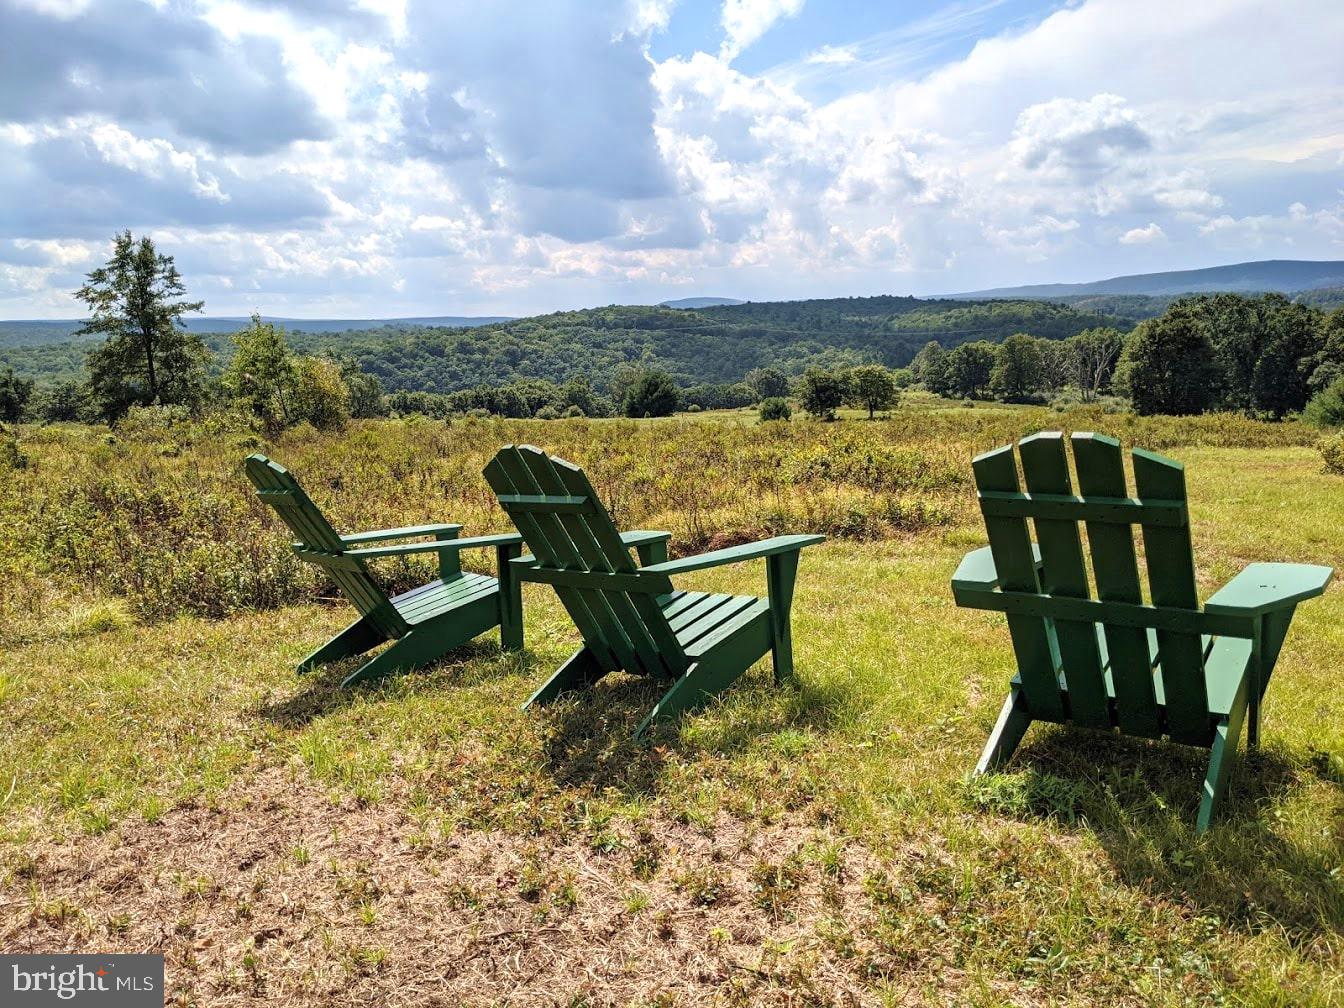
(1256, 276)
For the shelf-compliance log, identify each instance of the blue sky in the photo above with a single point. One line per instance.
(361, 158)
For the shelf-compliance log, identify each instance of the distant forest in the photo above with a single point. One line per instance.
(710, 345)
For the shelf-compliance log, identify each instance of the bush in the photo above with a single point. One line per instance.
(547, 412)
(693, 408)
(775, 408)
(573, 411)
(1332, 453)
(1326, 408)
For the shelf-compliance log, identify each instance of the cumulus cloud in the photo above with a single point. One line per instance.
(1152, 232)
(426, 157)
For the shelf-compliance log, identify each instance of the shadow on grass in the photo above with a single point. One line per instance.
(590, 735)
(322, 693)
(1140, 800)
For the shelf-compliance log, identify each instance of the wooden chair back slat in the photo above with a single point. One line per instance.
(1045, 470)
(1171, 582)
(565, 526)
(1010, 543)
(277, 487)
(1101, 472)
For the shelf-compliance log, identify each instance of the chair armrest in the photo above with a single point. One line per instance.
(638, 537)
(977, 572)
(446, 545)
(411, 532)
(1264, 587)
(735, 554)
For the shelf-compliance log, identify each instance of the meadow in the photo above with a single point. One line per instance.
(170, 785)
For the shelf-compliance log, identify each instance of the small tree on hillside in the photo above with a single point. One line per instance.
(653, 395)
(872, 387)
(320, 395)
(14, 395)
(261, 373)
(769, 383)
(775, 408)
(147, 359)
(1090, 359)
(1019, 368)
(929, 368)
(821, 393)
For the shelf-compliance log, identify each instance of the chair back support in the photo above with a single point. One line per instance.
(318, 542)
(577, 549)
(1114, 632)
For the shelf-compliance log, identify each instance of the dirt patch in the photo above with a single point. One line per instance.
(278, 895)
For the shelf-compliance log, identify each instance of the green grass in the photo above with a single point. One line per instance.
(1075, 877)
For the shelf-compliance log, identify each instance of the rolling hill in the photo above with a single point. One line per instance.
(1287, 276)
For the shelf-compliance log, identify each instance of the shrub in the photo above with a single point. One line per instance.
(775, 408)
(547, 412)
(1326, 408)
(1332, 453)
(573, 411)
(693, 408)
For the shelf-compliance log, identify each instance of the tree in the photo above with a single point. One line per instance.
(320, 396)
(1326, 408)
(775, 408)
(1292, 338)
(768, 383)
(146, 359)
(1327, 363)
(930, 368)
(1169, 366)
(652, 395)
(1019, 369)
(366, 391)
(1090, 359)
(872, 387)
(968, 369)
(62, 402)
(14, 395)
(821, 393)
(262, 374)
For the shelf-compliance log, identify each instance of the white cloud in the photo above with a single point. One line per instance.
(744, 21)
(440, 156)
(1152, 232)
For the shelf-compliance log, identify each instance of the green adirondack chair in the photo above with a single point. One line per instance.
(630, 616)
(1165, 667)
(426, 622)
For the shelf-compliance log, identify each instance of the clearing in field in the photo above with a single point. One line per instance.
(171, 785)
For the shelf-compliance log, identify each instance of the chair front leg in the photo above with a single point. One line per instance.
(510, 597)
(781, 574)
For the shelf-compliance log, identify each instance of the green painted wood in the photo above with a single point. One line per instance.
(1068, 507)
(1171, 582)
(550, 546)
(630, 616)
(411, 532)
(1169, 667)
(1008, 731)
(424, 623)
(737, 554)
(1101, 471)
(1045, 471)
(582, 531)
(1118, 614)
(665, 657)
(1265, 587)
(1015, 562)
(637, 583)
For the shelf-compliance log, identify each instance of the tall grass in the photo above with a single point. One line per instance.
(159, 514)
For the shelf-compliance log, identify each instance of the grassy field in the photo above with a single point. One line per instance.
(169, 784)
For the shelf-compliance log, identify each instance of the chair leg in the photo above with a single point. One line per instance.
(358, 637)
(416, 650)
(1221, 754)
(1003, 740)
(510, 599)
(579, 672)
(781, 572)
(698, 684)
